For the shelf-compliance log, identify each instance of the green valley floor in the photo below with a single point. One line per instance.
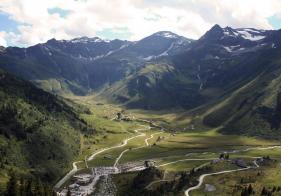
(129, 142)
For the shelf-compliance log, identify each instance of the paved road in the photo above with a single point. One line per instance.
(151, 136)
(124, 143)
(201, 178)
(156, 181)
(68, 175)
(146, 144)
(119, 157)
(182, 160)
(75, 169)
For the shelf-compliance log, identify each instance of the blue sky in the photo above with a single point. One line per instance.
(114, 33)
(27, 22)
(7, 24)
(61, 12)
(275, 22)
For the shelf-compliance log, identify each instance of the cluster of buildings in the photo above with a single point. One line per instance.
(85, 183)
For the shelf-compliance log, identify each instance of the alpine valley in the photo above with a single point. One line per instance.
(165, 115)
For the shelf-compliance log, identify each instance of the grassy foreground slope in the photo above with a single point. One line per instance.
(39, 133)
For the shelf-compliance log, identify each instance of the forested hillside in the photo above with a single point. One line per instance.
(39, 133)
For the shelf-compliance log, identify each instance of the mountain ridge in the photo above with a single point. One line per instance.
(161, 71)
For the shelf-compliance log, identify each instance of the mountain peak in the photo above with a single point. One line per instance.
(216, 27)
(85, 39)
(166, 34)
(215, 32)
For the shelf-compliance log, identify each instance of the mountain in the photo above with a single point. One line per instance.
(58, 66)
(229, 77)
(39, 133)
(86, 48)
(241, 80)
(254, 108)
(212, 77)
(160, 44)
(84, 64)
(208, 69)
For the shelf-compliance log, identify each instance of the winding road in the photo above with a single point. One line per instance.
(146, 144)
(125, 142)
(68, 175)
(201, 178)
(151, 136)
(183, 160)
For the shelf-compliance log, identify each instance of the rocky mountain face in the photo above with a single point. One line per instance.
(219, 62)
(82, 64)
(225, 68)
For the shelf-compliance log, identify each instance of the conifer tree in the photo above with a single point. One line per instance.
(22, 187)
(226, 156)
(264, 191)
(38, 190)
(12, 187)
(68, 193)
(250, 189)
(28, 188)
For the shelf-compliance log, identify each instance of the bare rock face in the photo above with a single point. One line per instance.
(2, 49)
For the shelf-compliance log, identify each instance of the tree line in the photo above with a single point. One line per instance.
(21, 186)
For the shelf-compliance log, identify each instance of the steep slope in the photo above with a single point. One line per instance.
(39, 134)
(223, 60)
(253, 109)
(157, 85)
(84, 64)
(59, 66)
(162, 71)
(160, 44)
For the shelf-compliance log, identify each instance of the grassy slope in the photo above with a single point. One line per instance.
(155, 86)
(253, 109)
(39, 134)
(171, 148)
(237, 89)
(183, 142)
(231, 184)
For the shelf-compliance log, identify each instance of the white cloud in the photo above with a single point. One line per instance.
(190, 18)
(2, 39)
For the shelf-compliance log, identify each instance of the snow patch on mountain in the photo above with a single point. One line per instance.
(113, 51)
(246, 34)
(167, 34)
(173, 46)
(149, 58)
(110, 52)
(85, 40)
(165, 53)
(231, 48)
